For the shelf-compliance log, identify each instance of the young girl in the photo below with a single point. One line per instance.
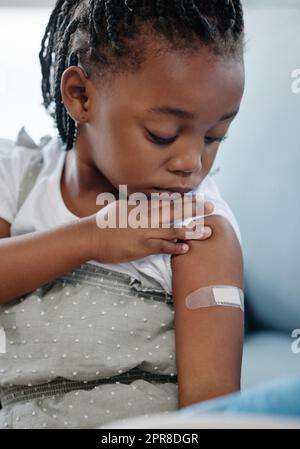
(94, 323)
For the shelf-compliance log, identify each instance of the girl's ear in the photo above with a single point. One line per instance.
(74, 93)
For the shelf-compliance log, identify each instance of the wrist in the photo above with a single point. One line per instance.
(86, 240)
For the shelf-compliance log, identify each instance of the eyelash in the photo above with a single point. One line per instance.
(167, 141)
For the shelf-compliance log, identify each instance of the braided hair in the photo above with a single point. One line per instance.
(98, 34)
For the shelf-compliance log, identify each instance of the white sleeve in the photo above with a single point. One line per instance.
(211, 192)
(14, 160)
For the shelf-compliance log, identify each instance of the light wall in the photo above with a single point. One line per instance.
(25, 3)
(21, 31)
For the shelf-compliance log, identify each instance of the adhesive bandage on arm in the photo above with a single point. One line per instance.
(216, 295)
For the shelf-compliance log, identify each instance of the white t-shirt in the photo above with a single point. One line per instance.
(44, 208)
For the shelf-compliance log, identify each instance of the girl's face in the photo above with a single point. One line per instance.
(187, 101)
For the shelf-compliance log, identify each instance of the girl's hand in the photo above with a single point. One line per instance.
(113, 245)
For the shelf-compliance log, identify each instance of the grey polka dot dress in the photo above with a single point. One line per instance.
(91, 347)
(88, 348)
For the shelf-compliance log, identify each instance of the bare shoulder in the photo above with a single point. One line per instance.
(4, 229)
(218, 259)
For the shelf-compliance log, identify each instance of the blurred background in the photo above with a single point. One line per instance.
(22, 24)
(257, 168)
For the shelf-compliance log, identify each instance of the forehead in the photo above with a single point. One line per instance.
(197, 80)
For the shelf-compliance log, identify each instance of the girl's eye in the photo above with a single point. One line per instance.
(168, 140)
(210, 140)
(161, 140)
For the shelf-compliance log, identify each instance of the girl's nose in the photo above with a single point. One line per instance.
(187, 162)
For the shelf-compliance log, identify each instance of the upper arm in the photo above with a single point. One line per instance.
(4, 228)
(208, 340)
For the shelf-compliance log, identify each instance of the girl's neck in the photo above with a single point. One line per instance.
(81, 183)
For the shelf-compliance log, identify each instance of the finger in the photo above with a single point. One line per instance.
(194, 232)
(167, 211)
(178, 211)
(158, 246)
(201, 234)
(209, 207)
(198, 232)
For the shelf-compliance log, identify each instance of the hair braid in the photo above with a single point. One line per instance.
(71, 125)
(201, 21)
(60, 110)
(50, 29)
(111, 23)
(238, 26)
(179, 8)
(160, 8)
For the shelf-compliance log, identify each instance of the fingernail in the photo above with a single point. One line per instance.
(210, 205)
(207, 230)
(185, 247)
